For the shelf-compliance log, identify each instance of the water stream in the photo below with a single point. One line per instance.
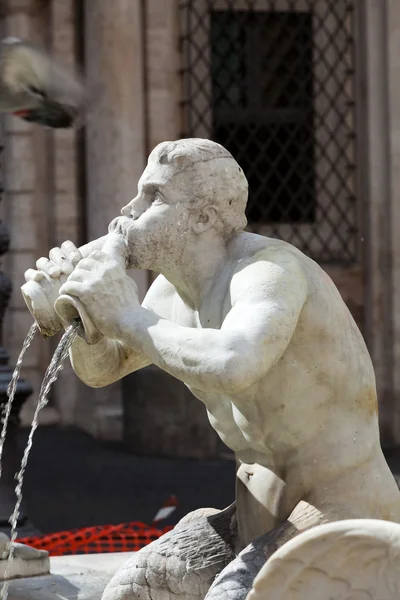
(55, 366)
(12, 387)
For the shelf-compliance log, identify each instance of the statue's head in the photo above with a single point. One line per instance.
(190, 188)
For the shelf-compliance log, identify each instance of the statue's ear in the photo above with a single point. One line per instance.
(204, 219)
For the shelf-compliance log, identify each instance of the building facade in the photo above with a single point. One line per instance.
(304, 93)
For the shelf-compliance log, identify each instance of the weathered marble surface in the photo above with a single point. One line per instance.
(82, 577)
(26, 562)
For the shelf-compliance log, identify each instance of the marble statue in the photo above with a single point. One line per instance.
(260, 335)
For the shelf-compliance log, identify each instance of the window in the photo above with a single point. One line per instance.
(273, 81)
(262, 103)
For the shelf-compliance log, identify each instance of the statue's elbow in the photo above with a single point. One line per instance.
(236, 384)
(237, 375)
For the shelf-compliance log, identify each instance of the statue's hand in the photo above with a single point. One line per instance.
(108, 294)
(61, 261)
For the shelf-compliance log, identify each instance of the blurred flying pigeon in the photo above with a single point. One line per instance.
(35, 88)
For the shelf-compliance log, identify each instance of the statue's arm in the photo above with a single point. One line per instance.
(101, 364)
(267, 299)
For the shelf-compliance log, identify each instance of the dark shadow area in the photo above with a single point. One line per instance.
(392, 456)
(73, 481)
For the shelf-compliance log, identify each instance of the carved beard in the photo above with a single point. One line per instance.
(145, 248)
(124, 226)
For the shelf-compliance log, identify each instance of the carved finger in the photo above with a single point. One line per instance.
(59, 258)
(80, 275)
(87, 264)
(71, 252)
(33, 275)
(106, 259)
(73, 288)
(47, 265)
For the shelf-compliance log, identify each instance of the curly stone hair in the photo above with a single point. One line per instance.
(215, 178)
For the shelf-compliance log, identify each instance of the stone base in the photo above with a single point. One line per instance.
(27, 561)
(24, 568)
(80, 577)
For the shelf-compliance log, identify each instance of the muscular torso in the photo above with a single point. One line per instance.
(324, 377)
(310, 418)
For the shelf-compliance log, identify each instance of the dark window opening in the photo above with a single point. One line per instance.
(262, 108)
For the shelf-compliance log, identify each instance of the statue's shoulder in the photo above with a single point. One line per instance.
(267, 266)
(251, 250)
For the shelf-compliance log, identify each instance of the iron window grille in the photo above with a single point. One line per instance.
(274, 82)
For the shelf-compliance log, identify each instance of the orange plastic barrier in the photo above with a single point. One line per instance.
(127, 537)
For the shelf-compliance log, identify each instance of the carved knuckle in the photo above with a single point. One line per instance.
(97, 255)
(33, 275)
(93, 281)
(108, 269)
(42, 261)
(85, 263)
(71, 252)
(67, 246)
(87, 289)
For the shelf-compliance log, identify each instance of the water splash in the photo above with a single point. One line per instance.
(55, 366)
(12, 388)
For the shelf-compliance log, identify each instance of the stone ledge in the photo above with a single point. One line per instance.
(24, 568)
(80, 577)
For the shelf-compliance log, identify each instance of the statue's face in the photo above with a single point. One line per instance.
(156, 222)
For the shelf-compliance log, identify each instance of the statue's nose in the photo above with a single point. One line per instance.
(126, 211)
(135, 208)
